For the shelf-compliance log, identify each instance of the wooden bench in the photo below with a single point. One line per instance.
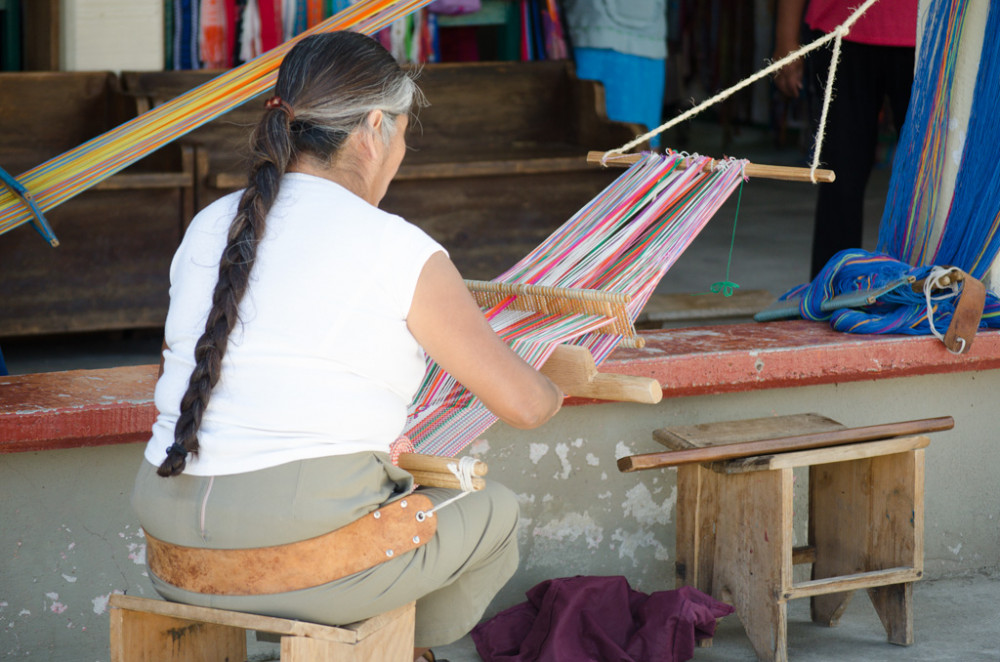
(144, 630)
(116, 240)
(496, 162)
(734, 526)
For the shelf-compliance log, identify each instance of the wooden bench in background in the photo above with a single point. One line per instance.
(116, 240)
(497, 161)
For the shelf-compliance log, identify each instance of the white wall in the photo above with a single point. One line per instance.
(111, 35)
(68, 537)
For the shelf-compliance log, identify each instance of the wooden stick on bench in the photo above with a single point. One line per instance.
(781, 445)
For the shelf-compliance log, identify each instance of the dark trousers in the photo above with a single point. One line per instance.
(866, 76)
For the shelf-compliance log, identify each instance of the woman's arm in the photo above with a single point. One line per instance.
(448, 324)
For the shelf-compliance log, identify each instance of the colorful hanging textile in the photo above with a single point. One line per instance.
(620, 244)
(214, 35)
(970, 238)
(314, 12)
(68, 174)
(185, 41)
(918, 164)
(907, 249)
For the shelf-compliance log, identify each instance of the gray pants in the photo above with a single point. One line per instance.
(453, 577)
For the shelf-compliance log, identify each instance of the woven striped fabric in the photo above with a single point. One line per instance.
(623, 241)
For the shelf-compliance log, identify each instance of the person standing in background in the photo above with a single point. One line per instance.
(622, 44)
(876, 63)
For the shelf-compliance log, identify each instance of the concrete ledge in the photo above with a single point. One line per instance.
(76, 408)
(746, 357)
(115, 405)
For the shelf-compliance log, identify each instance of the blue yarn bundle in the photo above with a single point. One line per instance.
(901, 309)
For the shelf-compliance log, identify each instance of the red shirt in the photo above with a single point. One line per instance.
(886, 23)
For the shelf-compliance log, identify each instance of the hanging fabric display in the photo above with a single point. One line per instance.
(914, 281)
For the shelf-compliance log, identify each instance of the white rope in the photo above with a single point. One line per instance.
(934, 282)
(827, 97)
(835, 35)
(463, 472)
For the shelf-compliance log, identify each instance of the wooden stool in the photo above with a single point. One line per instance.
(866, 526)
(144, 630)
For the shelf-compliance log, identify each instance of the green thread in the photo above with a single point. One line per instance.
(727, 287)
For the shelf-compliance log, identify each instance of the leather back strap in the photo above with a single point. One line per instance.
(968, 313)
(379, 536)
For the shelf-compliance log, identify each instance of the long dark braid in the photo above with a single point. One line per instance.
(326, 87)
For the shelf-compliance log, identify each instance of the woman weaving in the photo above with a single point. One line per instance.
(294, 342)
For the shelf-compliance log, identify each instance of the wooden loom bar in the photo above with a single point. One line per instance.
(753, 170)
(573, 370)
(780, 445)
(561, 300)
(433, 471)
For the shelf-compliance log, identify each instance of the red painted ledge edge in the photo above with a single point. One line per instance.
(115, 405)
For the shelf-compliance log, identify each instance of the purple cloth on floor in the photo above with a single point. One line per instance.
(602, 619)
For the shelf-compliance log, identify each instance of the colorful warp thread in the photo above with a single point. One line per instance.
(968, 239)
(64, 176)
(623, 241)
(918, 164)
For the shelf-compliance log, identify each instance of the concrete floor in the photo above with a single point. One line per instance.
(956, 618)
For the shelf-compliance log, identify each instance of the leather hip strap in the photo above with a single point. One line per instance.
(379, 536)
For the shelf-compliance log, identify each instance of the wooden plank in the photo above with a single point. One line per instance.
(662, 308)
(143, 636)
(852, 582)
(897, 536)
(752, 429)
(797, 442)
(282, 626)
(387, 638)
(847, 453)
(817, 456)
(838, 529)
(526, 166)
(753, 559)
(698, 504)
(146, 180)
